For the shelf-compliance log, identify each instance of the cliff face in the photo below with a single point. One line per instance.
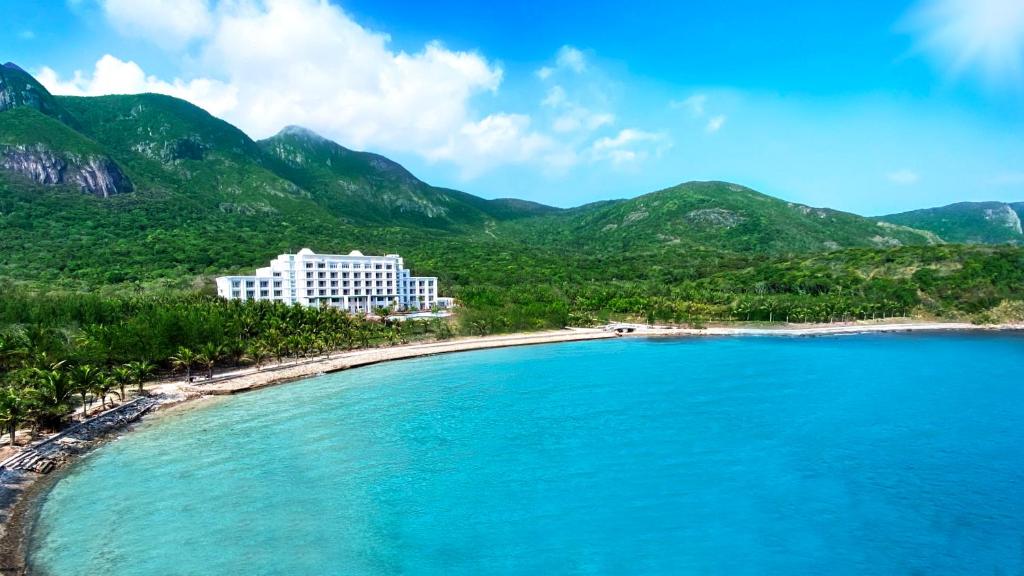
(93, 174)
(18, 88)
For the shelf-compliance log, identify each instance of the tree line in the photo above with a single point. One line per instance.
(61, 354)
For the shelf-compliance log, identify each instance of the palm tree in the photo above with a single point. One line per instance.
(50, 391)
(257, 354)
(12, 350)
(102, 386)
(83, 381)
(123, 374)
(185, 359)
(208, 357)
(236, 350)
(13, 408)
(280, 348)
(141, 370)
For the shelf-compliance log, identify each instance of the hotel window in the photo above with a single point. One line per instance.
(235, 283)
(309, 274)
(309, 284)
(322, 283)
(333, 265)
(388, 267)
(236, 294)
(334, 282)
(344, 282)
(250, 294)
(277, 274)
(334, 274)
(277, 293)
(249, 284)
(264, 293)
(357, 283)
(344, 264)
(345, 292)
(334, 291)
(309, 264)
(378, 266)
(277, 283)
(344, 274)
(321, 275)
(320, 265)
(263, 284)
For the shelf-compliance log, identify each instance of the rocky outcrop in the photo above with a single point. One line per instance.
(19, 88)
(1004, 216)
(91, 173)
(715, 217)
(54, 451)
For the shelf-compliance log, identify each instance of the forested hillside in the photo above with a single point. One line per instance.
(147, 194)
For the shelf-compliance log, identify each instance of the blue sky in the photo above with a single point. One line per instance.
(872, 107)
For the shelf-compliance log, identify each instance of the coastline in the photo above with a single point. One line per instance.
(20, 491)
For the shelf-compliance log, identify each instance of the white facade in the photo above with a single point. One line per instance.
(352, 282)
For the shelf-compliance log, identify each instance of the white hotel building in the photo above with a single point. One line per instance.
(352, 282)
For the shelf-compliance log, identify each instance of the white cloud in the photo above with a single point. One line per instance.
(270, 63)
(572, 59)
(306, 62)
(555, 97)
(495, 139)
(903, 177)
(572, 116)
(568, 59)
(578, 119)
(693, 104)
(696, 106)
(114, 76)
(982, 37)
(715, 123)
(168, 23)
(629, 146)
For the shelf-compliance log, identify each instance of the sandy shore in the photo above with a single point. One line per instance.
(252, 380)
(19, 489)
(817, 329)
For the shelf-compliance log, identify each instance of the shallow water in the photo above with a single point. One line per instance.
(884, 454)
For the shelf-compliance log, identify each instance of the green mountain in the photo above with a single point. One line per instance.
(180, 193)
(362, 187)
(149, 190)
(968, 222)
(716, 214)
(18, 89)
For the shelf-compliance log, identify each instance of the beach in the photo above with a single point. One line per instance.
(20, 488)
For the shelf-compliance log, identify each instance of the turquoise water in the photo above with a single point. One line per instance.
(845, 455)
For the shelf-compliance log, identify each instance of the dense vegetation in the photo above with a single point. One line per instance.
(968, 222)
(103, 291)
(60, 350)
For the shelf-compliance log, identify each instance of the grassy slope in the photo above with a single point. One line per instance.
(28, 126)
(971, 222)
(369, 188)
(726, 216)
(208, 200)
